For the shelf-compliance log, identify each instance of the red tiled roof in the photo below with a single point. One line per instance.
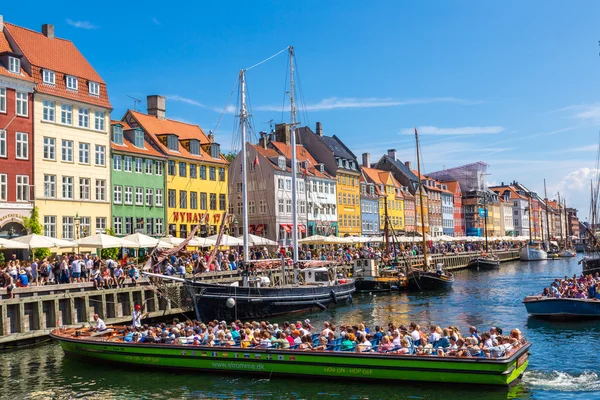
(513, 192)
(129, 147)
(302, 154)
(5, 47)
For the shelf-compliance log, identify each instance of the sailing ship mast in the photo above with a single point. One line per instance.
(547, 220)
(529, 214)
(485, 214)
(566, 224)
(243, 124)
(294, 162)
(560, 217)
(425, 263)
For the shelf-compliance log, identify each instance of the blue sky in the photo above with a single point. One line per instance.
(513, 84)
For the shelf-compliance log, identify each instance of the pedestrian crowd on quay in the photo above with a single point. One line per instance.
(301, 335)
(582, 287)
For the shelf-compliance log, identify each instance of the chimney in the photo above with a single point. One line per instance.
(408, 165)
(48, 30)
(366, 160)
(319, 129)
(1, 23)
(211, 137)
(392, 154)
(262, 142)
(157, 106)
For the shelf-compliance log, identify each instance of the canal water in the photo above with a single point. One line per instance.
(564, 362)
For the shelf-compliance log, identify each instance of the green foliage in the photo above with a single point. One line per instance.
(1, 257)
(109, 253)
(33, 224)
(42, 253)
(230, 156)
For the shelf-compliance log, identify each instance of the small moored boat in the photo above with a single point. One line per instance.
(418, 280)
(486, 261)
(561, 308)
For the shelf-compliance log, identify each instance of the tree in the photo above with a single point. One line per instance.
(231, 156)
(109, 253)
(33, 225)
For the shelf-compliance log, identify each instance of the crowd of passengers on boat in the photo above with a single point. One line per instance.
(582, 287)
(302, 336)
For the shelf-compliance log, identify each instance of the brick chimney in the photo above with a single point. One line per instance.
(1, 23)
(392, 154)
(263, 140)
(48, 30)
(319, 129)
(408, 165)
(366, 160)
(157, 106)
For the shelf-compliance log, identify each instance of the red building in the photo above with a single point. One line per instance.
(16, 139)
(459, 212)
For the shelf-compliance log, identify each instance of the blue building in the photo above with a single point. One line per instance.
(369, 208)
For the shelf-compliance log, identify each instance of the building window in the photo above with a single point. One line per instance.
(85, 226)
(203, 201)
(2, 99)
(14, 65)
(158, 168)
(158, 226)
(138, 138)
(49, 186)
(67, 228)
(172, 200)
(84, 117)
(149, 226)
(193, 200)
(138, 165)
(117, 134)
(3, 187)
(71, 82)
(171, 170)
(213, 173)
(251, 208)
(281, 206)
(94, 88)
(50, 225)
(193, 170)
(67, 187)
(100, 225)
(2, 143)
(48, 77)
(84, 153)
(49, 148)
(117, 162)
(222, 202)
(183, 231)
(117, 194)
(67, 150)
(288, 206)
(22, 188)
(127, 164)
(48, 110)
(213, 201)
(182, 199)
(182, 169)
(128, 225)
(22, 152)
(262, 207)
(222, 174)
(128, 195)
(118, 225)
(172, 142)
(66, 114)
(288, 184)
(149, 196)
(148, 167)
(100, 155)
(195, 147)
(99, 120)
(22, 105)
(203, 172)
(159, 197)
(84, 188)
(100, 190)
(139, 196)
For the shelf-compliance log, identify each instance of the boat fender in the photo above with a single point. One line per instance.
(320, 305)
(230, 302)
(333, 296)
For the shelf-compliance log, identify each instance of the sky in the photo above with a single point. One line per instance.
(513, 84)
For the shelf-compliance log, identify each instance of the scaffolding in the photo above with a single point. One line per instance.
(470, 177)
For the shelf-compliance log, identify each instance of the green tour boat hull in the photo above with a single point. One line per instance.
(321, 364)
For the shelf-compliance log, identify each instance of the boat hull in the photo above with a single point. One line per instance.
(322, 364)
(378, 284)
(591, 264)
(484, 263)
(528, 253)
(552, 308)
(210, 300)
(418, 281)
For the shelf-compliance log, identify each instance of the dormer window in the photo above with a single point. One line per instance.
(14, 65)
(351, 164)
(281, 162)
(322, 168)
(48, 77)
(117, 131)
(138, 139)
(94, 89)
(371, 190)
(340, 162)
(346, 164)
(172, 143)
(215, 150)
(195, 147)
(71, 82)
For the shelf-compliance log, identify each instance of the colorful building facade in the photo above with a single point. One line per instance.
(391, 200)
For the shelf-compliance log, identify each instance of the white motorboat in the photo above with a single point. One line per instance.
(567, 253)
(532, 253)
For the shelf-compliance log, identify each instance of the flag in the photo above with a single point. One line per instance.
(225, 354)
(269, 357)
(204, 354)
(214, 353)
(255, 160)
(292, 358)
(246, 355)
(235, 355)
(257, 356)
(280, 357)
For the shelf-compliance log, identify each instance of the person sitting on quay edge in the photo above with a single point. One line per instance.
(6, 282)
(22, 279)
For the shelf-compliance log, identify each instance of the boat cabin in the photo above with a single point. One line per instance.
(365, 267)
(321, 276)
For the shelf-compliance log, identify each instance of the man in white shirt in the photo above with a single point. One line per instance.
(100, 325)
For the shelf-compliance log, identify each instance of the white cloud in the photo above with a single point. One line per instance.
(333, 103)
(461, 130)
(590, 147)
(81, 24)
(575, 188)
(193, 102)
(583, 111)
(156, 21)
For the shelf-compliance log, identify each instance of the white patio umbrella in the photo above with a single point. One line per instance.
(314, 239)
(35, 241)
(6, 244)
(102, 241)
(259, 241)
(142, 240)
(227, 240)
(199, 241)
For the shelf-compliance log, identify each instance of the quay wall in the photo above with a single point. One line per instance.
(36, 310)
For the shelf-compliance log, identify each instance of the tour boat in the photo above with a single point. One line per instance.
(553, 308)
(488, 261)
(591, 263)
(328, 364)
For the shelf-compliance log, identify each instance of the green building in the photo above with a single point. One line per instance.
(138, 183)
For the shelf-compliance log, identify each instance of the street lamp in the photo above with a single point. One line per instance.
(77, 223)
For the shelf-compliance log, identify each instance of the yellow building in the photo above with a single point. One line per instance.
(196, 171)
(418, 224)
(348, 203)
(390, 196)
(71, 114)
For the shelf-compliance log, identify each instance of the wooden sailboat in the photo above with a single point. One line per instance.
(423, 279)
(531, 251)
